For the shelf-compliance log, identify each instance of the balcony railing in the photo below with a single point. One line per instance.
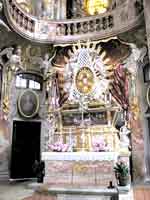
(111, 23)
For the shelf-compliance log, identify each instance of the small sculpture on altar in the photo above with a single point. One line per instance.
(124, 137)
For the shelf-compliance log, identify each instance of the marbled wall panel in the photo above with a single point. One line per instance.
(81, 173)
(4, 147)
(137, 142)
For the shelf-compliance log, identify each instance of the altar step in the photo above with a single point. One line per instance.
(37, 196)
(45, 192)
(75, 194)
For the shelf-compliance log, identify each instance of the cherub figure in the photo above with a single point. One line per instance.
(45, 63)
(15, 59)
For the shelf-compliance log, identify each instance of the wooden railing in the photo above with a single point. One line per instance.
(118, 20)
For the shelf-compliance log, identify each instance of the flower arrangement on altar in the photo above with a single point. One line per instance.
(99, 145)
(59, 146)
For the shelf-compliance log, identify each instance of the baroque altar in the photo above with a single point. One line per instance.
(83, 144)
(79, 168)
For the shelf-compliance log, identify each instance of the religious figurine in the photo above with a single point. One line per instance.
(43, 63)
(124, 137)
(14, 58)
(8, 52)
(46, 63)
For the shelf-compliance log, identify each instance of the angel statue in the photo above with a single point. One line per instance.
(8, 52)
(45, 63)
(124, 136)
(14, 58)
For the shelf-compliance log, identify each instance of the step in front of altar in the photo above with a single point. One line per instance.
(80, 171)
(74, 193)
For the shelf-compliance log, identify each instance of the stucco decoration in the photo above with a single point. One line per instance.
(85, 75)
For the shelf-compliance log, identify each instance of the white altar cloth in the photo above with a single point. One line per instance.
(80, 156)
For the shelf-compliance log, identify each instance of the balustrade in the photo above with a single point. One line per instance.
(20, 18)
(69, 30)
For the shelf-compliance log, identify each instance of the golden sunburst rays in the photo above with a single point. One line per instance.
(109, 67)
(95, 47)
(98, 49)
(74, 48)
(103, 55)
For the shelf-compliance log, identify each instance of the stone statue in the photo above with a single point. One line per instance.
(16, 56)
(46, 63)
(124, 137)
(8, 52)
(43, 63)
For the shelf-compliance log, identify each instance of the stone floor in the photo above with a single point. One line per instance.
(14, 191)
(22, 191)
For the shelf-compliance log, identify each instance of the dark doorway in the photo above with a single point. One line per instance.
(25, 149)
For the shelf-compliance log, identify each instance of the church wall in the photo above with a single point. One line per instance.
(139, 129)
(4, 148)
(137, 151)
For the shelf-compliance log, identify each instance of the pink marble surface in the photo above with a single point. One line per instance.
(79, 173)
(4, 145)
(137, 140)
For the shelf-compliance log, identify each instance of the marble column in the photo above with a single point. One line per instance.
(144, 121)
(146, 4)
(147, 22)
